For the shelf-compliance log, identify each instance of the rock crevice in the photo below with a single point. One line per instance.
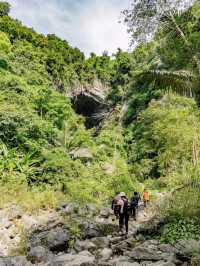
(91, 102)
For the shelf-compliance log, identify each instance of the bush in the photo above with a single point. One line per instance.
(4, 8)
(179, 228)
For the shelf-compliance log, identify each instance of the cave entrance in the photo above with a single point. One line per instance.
(91, 108)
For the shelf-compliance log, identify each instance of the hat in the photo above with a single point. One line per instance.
(122, 194)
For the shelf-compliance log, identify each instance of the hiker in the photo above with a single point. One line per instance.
(146, 198)
(115, 207)
(134, 204)
(124, 212)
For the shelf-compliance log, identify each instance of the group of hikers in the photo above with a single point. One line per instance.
(124, 209)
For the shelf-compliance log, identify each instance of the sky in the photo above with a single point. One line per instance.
(91, 25)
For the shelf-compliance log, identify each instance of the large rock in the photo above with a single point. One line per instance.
(126, 263)
(162, 263)
(84, 245)
(81, 153)
(90, 210)
(104, 263)
(15, 212)
(5, 223)
(152, 251)
(15, 261)
(68, 208)
(74, 209)
(119, 263)
(39, 255)
(82, 259)
(116, 240)
(109, 168)
(55, 239)
(146, 263)
(101, 242)
(9, 239)
(105, 254)
(122, 261)
(29, 222)
(152, 226)
(187, 247)
(92, 229)
(106, 213)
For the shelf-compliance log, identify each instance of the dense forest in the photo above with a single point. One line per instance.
(148, 137)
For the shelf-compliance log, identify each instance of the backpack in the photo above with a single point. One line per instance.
(135, 201)
(127, 207)
(115, 206)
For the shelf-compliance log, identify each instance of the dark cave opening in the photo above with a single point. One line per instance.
(93, 110)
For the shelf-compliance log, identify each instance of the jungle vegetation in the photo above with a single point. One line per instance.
(151, 137)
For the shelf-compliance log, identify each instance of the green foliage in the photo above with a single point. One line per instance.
(163, 142)
(5, 49)
(156, 142)
(144, 18)
(4, 8)
(147, 136)
(178, 229)
(178, 53)
(5, 45)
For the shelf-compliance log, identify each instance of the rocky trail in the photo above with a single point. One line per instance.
(73, 235)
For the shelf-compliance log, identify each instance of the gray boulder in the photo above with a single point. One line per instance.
(55, 239)
(93, 229)
(162, 263)
(15, 212)
(81, 153)
(84, 245)
(90, 230)
(68, 208)
(123, 246)
(152, 226)
(82, 259)
(106, 213)
(105, 254)
(105, 263)
(126, 263)
(15, 261)
(101, 242)
(122, 261)
(39, 254)
(152, 251)
(187, 247)
(90, 209)
(146, 263)
(116, 239)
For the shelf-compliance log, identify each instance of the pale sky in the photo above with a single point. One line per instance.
(91, 25)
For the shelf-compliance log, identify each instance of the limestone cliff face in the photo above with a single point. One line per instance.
(91, 102)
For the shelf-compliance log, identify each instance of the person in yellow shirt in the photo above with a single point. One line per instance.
(146, 198)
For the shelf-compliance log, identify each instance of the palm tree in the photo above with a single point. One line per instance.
(183, 82)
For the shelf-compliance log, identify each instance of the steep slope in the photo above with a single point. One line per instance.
(40, 131)
(53, 99)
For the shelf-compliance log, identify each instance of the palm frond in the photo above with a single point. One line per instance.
(182, 82)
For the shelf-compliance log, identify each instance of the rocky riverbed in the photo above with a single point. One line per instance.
(82, 236)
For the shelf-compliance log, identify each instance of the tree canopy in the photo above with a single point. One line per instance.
(4, 8)
(144, 18)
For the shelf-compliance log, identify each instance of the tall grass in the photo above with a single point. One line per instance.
(31, 200)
